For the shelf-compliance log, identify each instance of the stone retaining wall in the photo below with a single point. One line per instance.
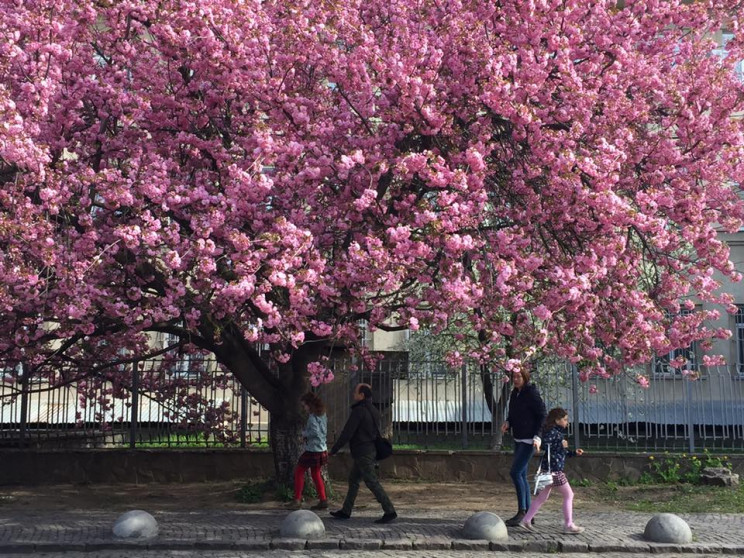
(35, 467)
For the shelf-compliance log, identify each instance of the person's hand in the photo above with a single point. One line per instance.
(579, 452)
(565, 443)
(536, 444)
(505, 427)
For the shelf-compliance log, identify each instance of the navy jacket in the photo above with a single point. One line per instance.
(554, 438)
(526, 412)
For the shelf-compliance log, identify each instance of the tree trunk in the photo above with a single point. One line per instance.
(496, 405)
(285, 435)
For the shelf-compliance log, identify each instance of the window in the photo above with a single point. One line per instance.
(721, 52)
(187, 364)
(663, 363)
(740, 340)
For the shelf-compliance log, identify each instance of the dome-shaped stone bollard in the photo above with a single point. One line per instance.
(135, 524)
(485, 526)
(302, 524)
(667, 528)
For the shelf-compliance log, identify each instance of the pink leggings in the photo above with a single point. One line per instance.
(565, 491)
(299, 482)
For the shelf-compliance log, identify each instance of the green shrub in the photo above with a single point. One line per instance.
(253, 492)
(675, 469)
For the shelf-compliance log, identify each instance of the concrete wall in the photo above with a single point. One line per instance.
(36, 467)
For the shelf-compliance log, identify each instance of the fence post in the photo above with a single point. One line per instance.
(464, 406)
(690, 420)
(25, 380)
(243, 415)
(134, 415)
(575, 404)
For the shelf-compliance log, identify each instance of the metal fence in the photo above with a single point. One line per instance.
(425, 405)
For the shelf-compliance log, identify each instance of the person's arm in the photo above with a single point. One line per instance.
(349, 430)
(323, 429)
(538, 406)
(505, 426)
(311, 432)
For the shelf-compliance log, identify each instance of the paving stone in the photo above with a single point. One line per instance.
(605, 547)
(253, 545)
(432, 543)
(732, 549)
(397, 544)
(361, 544)
(166, 545)
(50, 547)
(572, 546)
(323, 544)
(536, 546)
(288, 544)
(665, 548)
(214, 545)
(469, 544)
(115, 545)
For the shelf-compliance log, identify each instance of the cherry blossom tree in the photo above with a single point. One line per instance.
(267, 174)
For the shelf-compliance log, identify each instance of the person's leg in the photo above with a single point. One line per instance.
(318, 481)
(518, 473)
(299, 482)
(367, 469)
(536, 504)
(355, 476)
(567, 493)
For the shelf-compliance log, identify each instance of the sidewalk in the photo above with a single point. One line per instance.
(32, 531)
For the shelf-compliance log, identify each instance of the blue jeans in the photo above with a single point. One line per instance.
(522, 455)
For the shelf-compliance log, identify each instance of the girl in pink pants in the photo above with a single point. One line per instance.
(554, 435)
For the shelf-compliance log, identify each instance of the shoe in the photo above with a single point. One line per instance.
(516, 520)
(295, 505)
(387, 518)
(321, 505)
(527, 526)
(573, 530)
(340, 514)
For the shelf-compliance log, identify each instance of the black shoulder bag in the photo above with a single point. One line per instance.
(383, 446)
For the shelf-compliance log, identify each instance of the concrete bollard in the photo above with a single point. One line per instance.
(135, 524)
(485, 526)
(302, 524)
(668, 528)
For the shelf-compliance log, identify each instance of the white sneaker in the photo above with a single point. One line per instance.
(573, 530)
(527, 526)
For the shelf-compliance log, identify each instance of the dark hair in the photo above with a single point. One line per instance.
(555, 414)
(365, 390)
(526, 375)
(314, 403)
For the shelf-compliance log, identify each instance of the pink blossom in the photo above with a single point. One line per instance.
(256, 177)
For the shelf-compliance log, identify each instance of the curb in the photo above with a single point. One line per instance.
(432, 543)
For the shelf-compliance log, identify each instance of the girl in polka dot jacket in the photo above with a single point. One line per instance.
(554, 437)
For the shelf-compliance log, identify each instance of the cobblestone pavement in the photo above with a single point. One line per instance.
(236, 533)
(326, 554)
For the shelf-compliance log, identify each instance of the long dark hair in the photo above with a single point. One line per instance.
(314, 403)
(554, 415)
(526, 376)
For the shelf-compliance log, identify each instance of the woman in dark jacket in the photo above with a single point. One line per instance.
(525, 419)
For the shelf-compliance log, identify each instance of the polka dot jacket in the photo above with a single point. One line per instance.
(554, 438)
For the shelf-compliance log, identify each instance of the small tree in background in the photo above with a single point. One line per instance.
(248, 175)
